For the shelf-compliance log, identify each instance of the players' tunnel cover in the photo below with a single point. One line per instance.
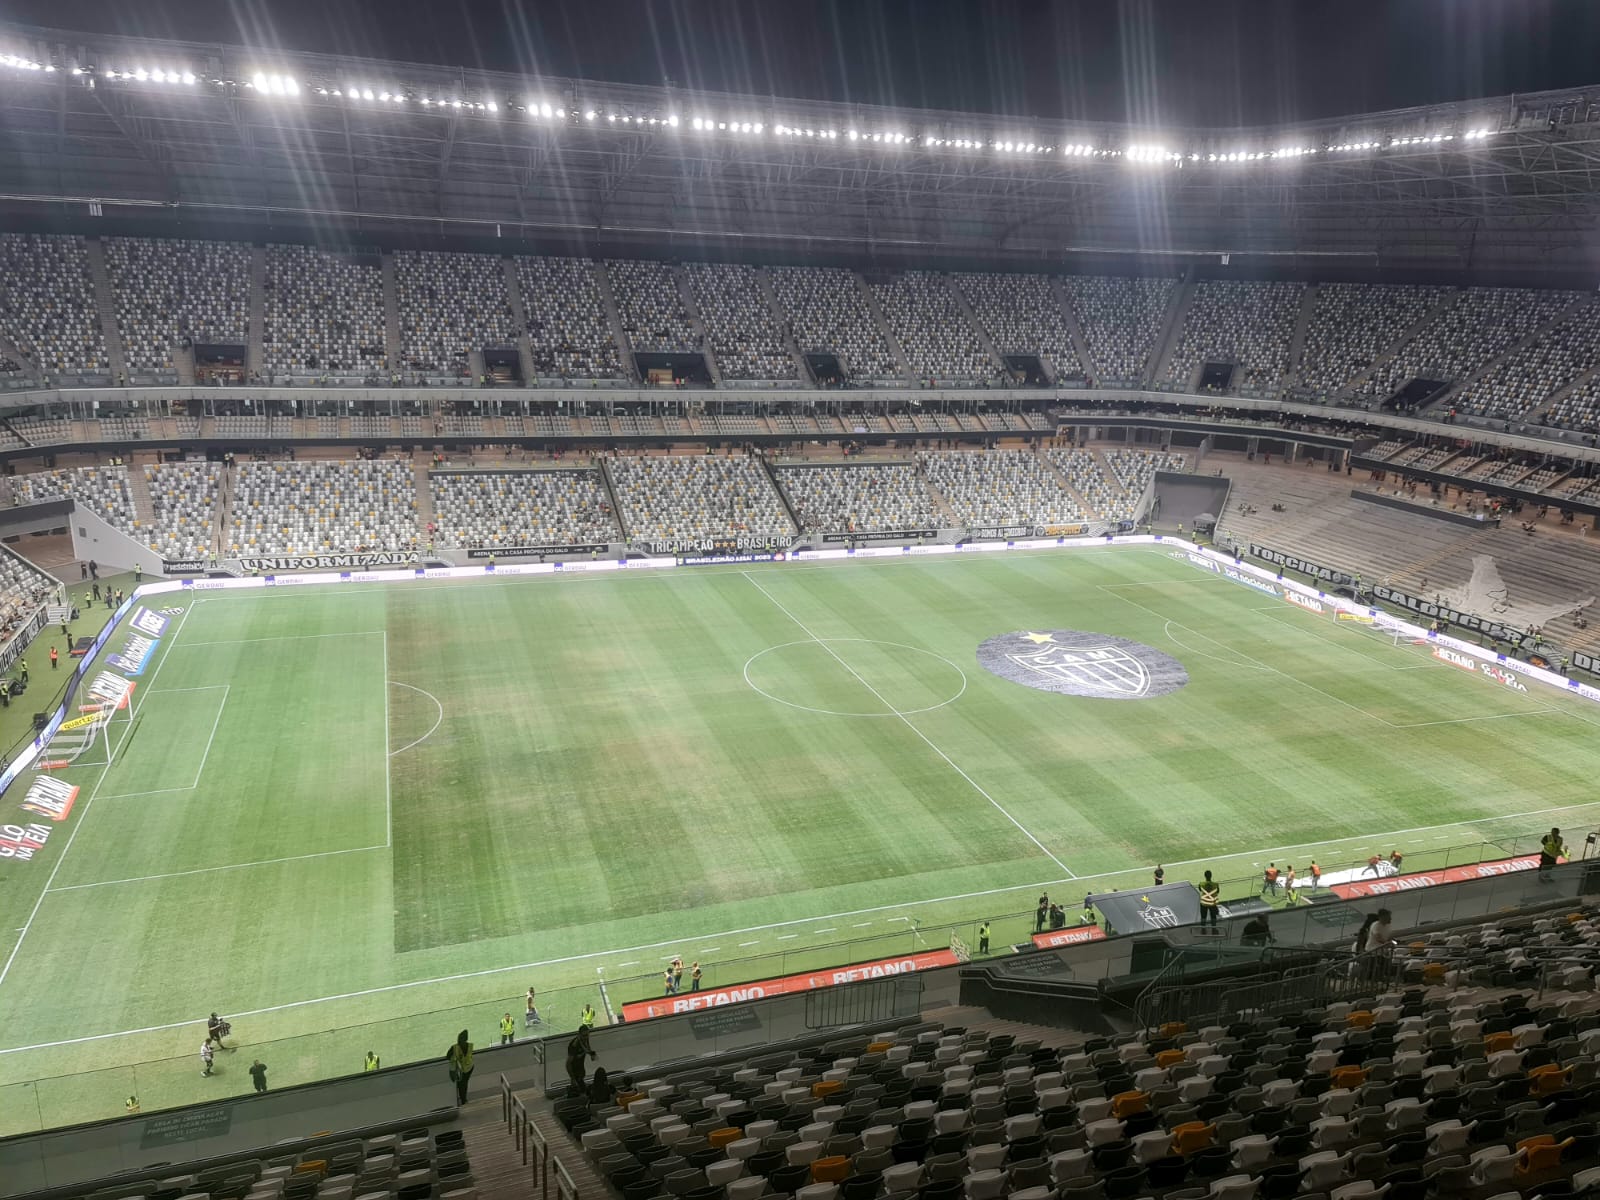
(1075, 663)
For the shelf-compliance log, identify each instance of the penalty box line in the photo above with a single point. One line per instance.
(932, 745)
(679, 941)
(205, 754)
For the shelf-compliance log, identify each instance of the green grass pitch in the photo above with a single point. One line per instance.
(362, 817)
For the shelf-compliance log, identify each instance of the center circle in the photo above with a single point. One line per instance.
(832, 676)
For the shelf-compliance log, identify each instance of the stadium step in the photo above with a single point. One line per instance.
(785, 326)
(391, 314)
(1447, 398)
(1074, 327)
(691, 306)
(255, 350)
(105, 307)
(965, 305)
(520, 313)
(139, 491)
(424, 492)
(973, 1017)
(895, 348)
(1172, 327)
(608, 300)
(9, 349)
(1078, 497)
(1441, 306)
(1297, 344)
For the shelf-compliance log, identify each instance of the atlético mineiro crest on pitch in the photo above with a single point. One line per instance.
(1076, 663)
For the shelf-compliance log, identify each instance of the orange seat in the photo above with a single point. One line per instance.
(1432, 972)
(1125, 1104)
(1348, 1077)
(825, 1087)
(721, 1137)
(1170, 1058)
(314, 1166)
(1547, 1079)
(1493, 1043)
(1172, 1029)
(626, 1098)
(1192, 1136)
(1540, 1153)
(1360, 1019)
(879, 1047)
(832, 1169)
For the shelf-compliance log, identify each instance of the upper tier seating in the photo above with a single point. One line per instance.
(1243, 321)
(745, 339)
(568, 330)
(1578, 409)
(1121, 320)
(1482, 323)
(999, 487)
(47, 303)
(828, 313)
(450, 305)
(323, 507)
(43, 431)
(652, 311)
(1021, 316)
(323, 313)
(168, 292)
(476, 509)
(938, 340)
(859, 499)
(183, 502)
(1527, 377)
(1352, 324)
(666, 498)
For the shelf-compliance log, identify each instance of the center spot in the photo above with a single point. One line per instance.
(810, 675)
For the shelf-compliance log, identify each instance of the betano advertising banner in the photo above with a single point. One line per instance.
(1391, 884)
(760, 989)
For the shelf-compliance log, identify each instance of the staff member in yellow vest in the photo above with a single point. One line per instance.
(1551, 850)
(983, 938)
(508, 1030)
(372, 1063)
(459, 1056)
(1210, 900)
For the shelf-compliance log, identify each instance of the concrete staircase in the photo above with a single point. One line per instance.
(1297, 344)
(1078, 497)
(686, 297)
(255, 349)
(1386, 355)
(144, 512)
(783, 496)
(424, 495)
(965, 305)
(895, 348)
(785, 327)
(1566, 389)
(391, 314)
(1171, 329)
(608, 299)
(9, 349)
(1075, 328)
(105, 307)
(950, 520)
(611, 495)
(520, 314)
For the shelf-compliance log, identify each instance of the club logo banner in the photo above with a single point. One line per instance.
(1074, 663)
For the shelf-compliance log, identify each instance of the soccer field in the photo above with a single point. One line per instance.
(361, 817)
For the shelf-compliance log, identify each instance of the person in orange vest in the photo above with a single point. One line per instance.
(53, 658)
(1316, 875)
(1372, 865)
(1269, 879)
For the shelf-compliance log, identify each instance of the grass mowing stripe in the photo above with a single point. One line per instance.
(932, 745)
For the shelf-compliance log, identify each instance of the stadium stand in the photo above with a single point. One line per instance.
(1247, 322)
(23, 588)
(1483, 323)
(42, 431)
(450, 305)
(1522, 381)
(47, 303)
(478, 509)
(183, 503)
(124, 429)
(665, 498)
(323, 314)
(938, 340)
(1352, 324)
(323, 507)
(170, 293)
(1134, 469)
(859, 499)
(829, 314)
(103, 490)
(652, 311)
(745, 339)
(568, 330)
(1085, 474)
(999, 487)
(1021, 316)
(1121, 320)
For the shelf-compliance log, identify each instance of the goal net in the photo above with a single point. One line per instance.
(85, 739)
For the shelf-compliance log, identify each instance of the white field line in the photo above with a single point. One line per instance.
(1379, 837)
(932, 745)
(83, 816)
(1277, 618)
(265, 862)
(288, 637)
(388, 774)
(437, 721)
(226, 691)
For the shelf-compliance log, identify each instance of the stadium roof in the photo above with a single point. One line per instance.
(228, 135)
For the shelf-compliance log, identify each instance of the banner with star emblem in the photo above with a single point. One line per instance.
(1075, 663)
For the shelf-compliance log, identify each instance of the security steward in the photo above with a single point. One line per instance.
(1210, 901)
(983, 938)
(1551, 850)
